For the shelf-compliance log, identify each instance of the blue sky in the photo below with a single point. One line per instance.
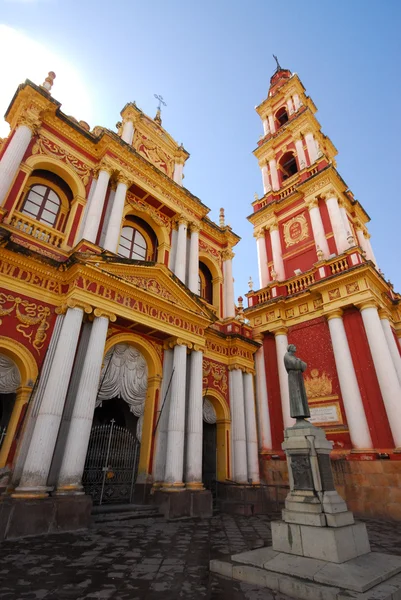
(212, 62)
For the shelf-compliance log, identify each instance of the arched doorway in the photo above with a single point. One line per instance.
(113, 453)
(10, 380)
(209, 446)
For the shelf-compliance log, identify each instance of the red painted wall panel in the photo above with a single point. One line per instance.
(273, 391)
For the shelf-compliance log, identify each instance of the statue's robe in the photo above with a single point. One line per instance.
(299, 408)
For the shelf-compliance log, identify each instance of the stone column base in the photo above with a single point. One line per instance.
(185, 504)
(22, 517)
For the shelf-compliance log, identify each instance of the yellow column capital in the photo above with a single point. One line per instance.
(367, 304)
(334, 314)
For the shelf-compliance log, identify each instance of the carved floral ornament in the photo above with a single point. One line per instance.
(208, 249)
(142, 206)
(45, 146)
(33, 318)
(318, 385)
(214, 374)
(295, 230)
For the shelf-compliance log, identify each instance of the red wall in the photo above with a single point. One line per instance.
(273, 391)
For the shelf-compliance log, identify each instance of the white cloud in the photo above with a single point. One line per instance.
(29, 59)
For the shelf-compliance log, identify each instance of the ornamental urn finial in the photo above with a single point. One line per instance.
(48, 82)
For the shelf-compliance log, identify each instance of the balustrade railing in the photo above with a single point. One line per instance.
(263, 296)
(37, 230)
(339, 265)
(300, 284)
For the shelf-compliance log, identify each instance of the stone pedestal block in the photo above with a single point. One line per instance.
(22, 517)
(331, 544)
(184, 504)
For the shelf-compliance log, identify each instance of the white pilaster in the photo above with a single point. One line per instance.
(347, 225)
(251, 433)
(193, 270)
(353, 404)
(178, 173)
(228, 283)
(86, 209)
(385, 370)
(297, 102)
(181, 253)
(274, 174)
(266, 180)
(262, 258)
(337, 223)
(312, 150)
(96, 207)
(392, 344)
(262, 402)
(176, 423)
(194, 428)
(266, 128)
(163, 417)
(281, 348)
(278, 262)
(116, 215)
(301, 154)
(128, 132)
(12, 158)
(290, 106)
(369, 251)
(317, 227)
(272, 124)
(238, 431)
(72, 465)
(38, 461)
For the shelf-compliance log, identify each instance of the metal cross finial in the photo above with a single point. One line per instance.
(161, 101)
(276, 59)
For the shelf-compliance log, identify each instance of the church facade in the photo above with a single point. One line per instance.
(126, 366)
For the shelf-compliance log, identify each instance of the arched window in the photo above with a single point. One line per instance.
(43, 204)
(288, 166)
(132, 244)
(205, 283)
(282, 116)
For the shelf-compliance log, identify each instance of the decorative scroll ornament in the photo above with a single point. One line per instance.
(124, 375)
(142, 206)
(150, 285)
(296, 230)
(30, 316)
(10, 378)
(208, 249)
(209, 414)
(218, 375)
(317, 385)
(155, 155)
(46, 146)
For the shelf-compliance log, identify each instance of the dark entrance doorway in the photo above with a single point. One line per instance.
(112, 459)
(6, 408)
(209, 455)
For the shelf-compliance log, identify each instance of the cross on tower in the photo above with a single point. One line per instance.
(278, 64)
(161, 101)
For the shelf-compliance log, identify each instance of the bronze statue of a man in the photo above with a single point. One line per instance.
(299, 408)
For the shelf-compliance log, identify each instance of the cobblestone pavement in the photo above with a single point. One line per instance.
(146, 560)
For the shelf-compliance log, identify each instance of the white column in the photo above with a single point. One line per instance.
(238, 432)
(176, 422)
(162, 418)
(251, 433)
(272, 124)
(299, 145)
(347, 225)
(392, 344)
(12, 158)
(281, 348)
(194, 441)
(262, 258)
(385, 370)
(72, 465)
(181, 253)
(337, 223)
(317, 226)
(262, 402)
(228, 284)
(274, 174)
(116, 216)
(353, 404)
(36, 402)
(86, 209)
(128, 132)
(312, 150)
(96, 207)
(266, 180)
(277, 252)
(266, 128)
(290, 106)
(173, 250)
(38, 461)
(297, 102)
(178, 173)
(369, 252)
(193, 270)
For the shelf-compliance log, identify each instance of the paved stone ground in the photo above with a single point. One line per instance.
(146, 560)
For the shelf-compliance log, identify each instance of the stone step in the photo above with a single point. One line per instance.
(124, 512)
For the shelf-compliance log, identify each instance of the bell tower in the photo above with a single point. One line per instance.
(320, 289)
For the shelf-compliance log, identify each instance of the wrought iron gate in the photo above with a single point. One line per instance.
(111, 464)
